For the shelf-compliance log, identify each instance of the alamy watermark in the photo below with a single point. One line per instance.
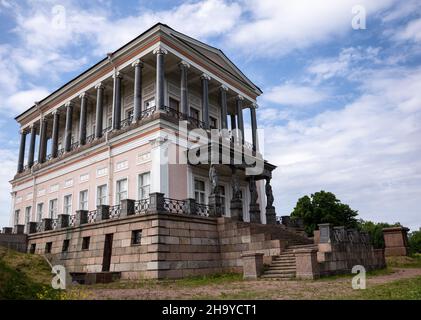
(359, 281)
(360, 17)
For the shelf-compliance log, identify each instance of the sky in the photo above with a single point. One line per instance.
(341, 108)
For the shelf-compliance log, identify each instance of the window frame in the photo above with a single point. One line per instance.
(118, 192)
(141, 187)
(69, 205)
(81, 206)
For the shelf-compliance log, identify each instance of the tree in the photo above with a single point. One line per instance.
(324, 207)
(415, 241)
(375, 230)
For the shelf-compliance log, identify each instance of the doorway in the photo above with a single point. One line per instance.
(108, 246)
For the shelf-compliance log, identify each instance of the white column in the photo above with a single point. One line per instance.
(159, 165)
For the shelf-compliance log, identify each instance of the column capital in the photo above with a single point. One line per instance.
(83, 95)
(56, 111)
(223, 87)
(239, 98)
(160, 50)
(69, 104)
(117, 74)
(138, 63)
(254, 105)
(23, 131)
(99, 85)
(159, 141)
(184, 64)
(205, 76)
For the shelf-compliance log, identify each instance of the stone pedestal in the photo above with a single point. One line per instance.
(191, 206)
(19, 229)
(252, 265)
(326, 232)
(7, 230)
(156, 202)
(306, 263)
(81, 217)
(127, 208)
(396, 241)
(215, 206)
(255, 213)
(46, 224)
(103, 213)
(31, 227)
(270, 215)
(236, 207)
(63, 221)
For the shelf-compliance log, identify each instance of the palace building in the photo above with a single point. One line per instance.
(100, 186)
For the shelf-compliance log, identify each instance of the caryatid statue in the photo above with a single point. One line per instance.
(214, 180)
(269, 194)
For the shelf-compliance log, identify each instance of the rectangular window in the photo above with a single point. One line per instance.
(83, 200)
(48, 247)
(144, 186)
(67, 205)
(101, 195)
(136, 237)
(65, 247)
(174, 104)
(53, 209)
(32, 249)
(40, 209)
(17, 214)
(199, 191)
(194, 113)
(213, 123)
(121, 190)
(85, 243)
(27, 215)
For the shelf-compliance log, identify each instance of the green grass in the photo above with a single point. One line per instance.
(24, 276)
(372, 273)
(407, 289)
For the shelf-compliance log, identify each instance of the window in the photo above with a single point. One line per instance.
(17, 214)
(194, 113)
(129, 114)
(32, 248)
(121, 190)
(67, 205)
(199, 191)
(174, 104)
(223, 197)
(110, 122)
(101, 195)
(65, 247)
(213, 122)
(144, 184)
(83, 200)
(53, 209)
(40, 209)
(150, 103)
(85, 243)
(136, 237)
(27, 215)
(48, 247)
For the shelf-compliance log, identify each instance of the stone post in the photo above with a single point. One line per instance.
(21, 159)
(306, 263)
(240, 120)
(205, 99)
(83, 118)
(156, 202)
(32, 146)
(31, 227)
(117, 102)
(191, 206)
(99, 110)
(68, 128)
(127, 208)
(396, 241)
(326, 232)
(46, 224)
(19, 229)
(160, 77)
(54, 138)
(137, 102)
(252, 265)
(7, 230)
(81, 217)
(103, 213)
(63, 221)
(215, 205)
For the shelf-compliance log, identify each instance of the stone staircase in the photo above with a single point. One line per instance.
(283, 267)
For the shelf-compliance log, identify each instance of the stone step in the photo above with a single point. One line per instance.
(284, 259)
(278, 277)
(283, 263)
(288, 271)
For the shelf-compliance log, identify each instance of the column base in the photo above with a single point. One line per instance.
(270, 215)
(215, 205)
(236, 208)
(255, 213)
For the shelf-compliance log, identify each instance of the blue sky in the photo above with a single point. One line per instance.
(341, 107)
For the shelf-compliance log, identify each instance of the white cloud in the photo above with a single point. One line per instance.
(412, 31)
(278, 27)
(22, 99)
(296, 95)
(367, 153)
(7, 170)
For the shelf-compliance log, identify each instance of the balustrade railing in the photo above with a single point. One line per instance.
(92, 216)
(202, 210)
(115, 212)
(90, 139)
(54, 224)
(72, 220)
(126, 122)
(141, 206)
(174, 206)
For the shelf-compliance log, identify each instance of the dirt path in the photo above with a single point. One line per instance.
(261, 289)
